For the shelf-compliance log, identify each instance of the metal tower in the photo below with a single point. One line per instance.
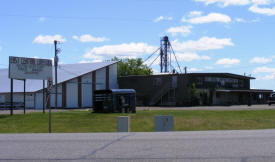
(165, 53)
(164, 57)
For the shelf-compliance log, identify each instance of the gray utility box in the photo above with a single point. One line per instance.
(164, 123)
(123, 124)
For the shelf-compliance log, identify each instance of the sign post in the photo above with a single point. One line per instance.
(11, 97)
(49, 88)
(24, 96)
(43, 96)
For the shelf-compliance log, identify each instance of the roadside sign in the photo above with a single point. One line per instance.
(30, 68)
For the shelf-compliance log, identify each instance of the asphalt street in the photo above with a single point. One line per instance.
(202, 146)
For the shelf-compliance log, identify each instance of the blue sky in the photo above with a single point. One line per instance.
(235, 36)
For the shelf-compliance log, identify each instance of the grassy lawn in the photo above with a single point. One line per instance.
(85, 121)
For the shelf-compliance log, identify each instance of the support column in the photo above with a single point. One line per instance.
(11, 97)
(107, 77)
(64, 95)
(43, 96)
(24, 96)
(79, 80)
(93, 83)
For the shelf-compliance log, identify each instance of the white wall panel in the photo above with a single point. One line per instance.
(101, 79)
(59, 96)
(72, 93)
(87, 90)
(18, 97)
(113, 76)
(2, 98)
(39, 100)
(29, 100)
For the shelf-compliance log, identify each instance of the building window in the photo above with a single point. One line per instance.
(241, 83)
(260, 96)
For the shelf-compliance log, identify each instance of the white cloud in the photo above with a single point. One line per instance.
(208, 67)
(194, 70)
(183, 30)
(261, 2)
(255, 5)
(195, 13)
(227, 62)
(89, 38)
(161, 18)
(203, 44)
(48, 39)
(268, 77)
(89, 61)
(264, 69)
(239, 20)
(211, 17)
(261, 60)
(185, 51)
(269, 73)
(225, 3)
(265, 11)
(42, 19)
(255, 20)
(190, 57)
(121, 50)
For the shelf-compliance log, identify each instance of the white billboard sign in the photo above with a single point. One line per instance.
(30, 68)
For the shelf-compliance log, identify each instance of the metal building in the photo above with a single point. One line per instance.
(194, 89)
(76, 84)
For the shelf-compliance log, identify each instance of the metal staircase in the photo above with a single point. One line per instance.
(166, 96)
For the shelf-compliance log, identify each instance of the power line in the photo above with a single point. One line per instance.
(78, 17)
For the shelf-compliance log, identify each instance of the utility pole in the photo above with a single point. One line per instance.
(11, 97)
(49, 88)
(56, 51)
(185, 70)
(24, 96)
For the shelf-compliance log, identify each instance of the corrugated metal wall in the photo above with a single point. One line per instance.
(72, 93)
(87, 90)
(101, 79)
(2, 98)
(29, 100)
(113, 76)
(59, 96)
(19, 97)
(39, 100)
(36, 101)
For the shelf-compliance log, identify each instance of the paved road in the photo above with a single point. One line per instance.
(201, 146)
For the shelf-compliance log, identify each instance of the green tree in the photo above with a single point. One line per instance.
(132, 67)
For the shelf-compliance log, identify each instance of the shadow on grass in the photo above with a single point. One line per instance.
(4, 116)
